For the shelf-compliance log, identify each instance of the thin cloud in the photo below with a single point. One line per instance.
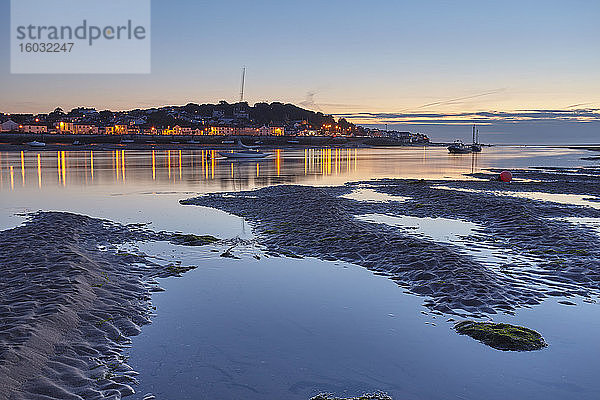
(457, 100)
(480, 117)
(579, 105)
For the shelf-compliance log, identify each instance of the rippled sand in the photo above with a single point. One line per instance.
(69, 301)
(548, 256)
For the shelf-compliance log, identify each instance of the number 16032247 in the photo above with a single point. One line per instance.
(46, 47)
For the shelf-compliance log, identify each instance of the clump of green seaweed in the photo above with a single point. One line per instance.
(368, 396)
(500, 336)
(193, 240)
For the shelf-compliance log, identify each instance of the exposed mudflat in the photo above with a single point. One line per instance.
(70, 297)
(549, 256)
(69, 301)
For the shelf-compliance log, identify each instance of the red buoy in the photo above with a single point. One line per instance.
(505, 176)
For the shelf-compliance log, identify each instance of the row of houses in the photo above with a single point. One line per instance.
(11, 126)
(132, 129)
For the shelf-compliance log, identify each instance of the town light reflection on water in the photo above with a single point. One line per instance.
(153, 165)
(39, 170)
(205, 170)
(63, 168)
(92, 165)
(23, 168)
(81, 168)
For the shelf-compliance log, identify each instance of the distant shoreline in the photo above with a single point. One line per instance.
(64, 142)
(58, 142)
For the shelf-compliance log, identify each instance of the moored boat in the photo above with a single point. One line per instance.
(476, 146)
(241, 154)
(458, 147)
(245, 152)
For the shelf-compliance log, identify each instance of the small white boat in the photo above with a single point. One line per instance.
(35, 143)
(243, 154)
(125, 141)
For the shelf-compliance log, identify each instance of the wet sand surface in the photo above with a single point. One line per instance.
(559, 258)
(69, 301)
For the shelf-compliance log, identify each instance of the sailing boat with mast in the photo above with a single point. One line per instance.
(458, 147)
(476, 146)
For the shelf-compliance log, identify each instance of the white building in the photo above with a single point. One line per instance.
(9, 126)
(33, 128)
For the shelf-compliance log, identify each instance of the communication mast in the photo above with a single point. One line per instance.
(243, 83)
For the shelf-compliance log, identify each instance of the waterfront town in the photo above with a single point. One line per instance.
(222, 119)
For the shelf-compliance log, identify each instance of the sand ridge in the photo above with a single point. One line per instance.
(318, 222)
(69, 301)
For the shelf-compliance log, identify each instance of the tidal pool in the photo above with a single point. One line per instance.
(287, 329)
(593, 223)
(372, 196)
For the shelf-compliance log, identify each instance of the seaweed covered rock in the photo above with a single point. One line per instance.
(193, 240)
(374, 396)
(502, 336)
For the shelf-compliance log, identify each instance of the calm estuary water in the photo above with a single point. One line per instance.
(279, 328)
(144, 186)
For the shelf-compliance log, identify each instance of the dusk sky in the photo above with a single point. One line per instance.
(526, 71)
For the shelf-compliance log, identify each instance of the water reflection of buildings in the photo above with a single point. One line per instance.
(66, 168)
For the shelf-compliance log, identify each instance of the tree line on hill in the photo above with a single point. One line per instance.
(273, 114)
